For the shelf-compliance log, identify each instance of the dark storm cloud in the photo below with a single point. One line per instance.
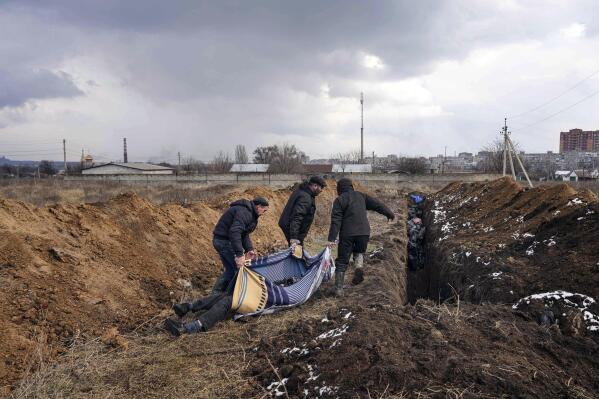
(18, 87)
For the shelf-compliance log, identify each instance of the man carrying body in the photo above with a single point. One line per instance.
(231, 239)
(349, 220)
(298, 214)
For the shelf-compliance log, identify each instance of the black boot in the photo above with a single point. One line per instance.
(220, 286)
(181, 309)
(339, 276)
(174, 327)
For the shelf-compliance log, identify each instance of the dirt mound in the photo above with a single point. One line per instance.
(78, 270)
(498, 242)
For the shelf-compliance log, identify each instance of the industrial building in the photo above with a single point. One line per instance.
(129, 168)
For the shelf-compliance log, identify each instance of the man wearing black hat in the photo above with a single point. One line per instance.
(231, 237)
(349, 220)
(298, 215)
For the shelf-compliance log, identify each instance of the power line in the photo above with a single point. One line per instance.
(556, 97)
(558, 112)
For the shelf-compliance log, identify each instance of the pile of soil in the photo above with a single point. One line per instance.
(371, 345)
(499, 242)
(69, 271)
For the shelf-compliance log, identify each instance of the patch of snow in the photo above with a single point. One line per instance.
(526, 235)
(557, 212)
(590, 212)
(324, 320)
(577, 301)
(488, 229)
(347, 316)
(575, 201)
(467, 224)
(500, 245)
(520, 219)
(580, 218)
(336, 332)
(468, 254)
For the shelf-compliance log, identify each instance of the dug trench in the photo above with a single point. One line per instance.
(399, 333)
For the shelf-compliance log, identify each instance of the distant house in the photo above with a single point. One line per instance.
(129, 168)
(249, 168)
(586, 174)
(352, 168)
(566, 175)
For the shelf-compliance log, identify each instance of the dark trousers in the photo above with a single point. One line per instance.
(216, 306)
(347, 246)
(227, 257)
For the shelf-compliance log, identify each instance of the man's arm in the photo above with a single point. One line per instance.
(237, 234)
(336, 219)
(373, 204)
(300, 211)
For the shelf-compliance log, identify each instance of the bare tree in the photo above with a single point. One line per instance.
(265, 154)
(47, 168)
(286, 158)
(190, 165)
(221, 163)
(412, 165)
(492, 157)
(347, 158)
(241, 155)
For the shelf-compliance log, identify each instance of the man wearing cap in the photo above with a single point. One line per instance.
(298, 215)
(231, 237)
(349, 220)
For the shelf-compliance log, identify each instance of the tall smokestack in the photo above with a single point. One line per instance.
(125, 150)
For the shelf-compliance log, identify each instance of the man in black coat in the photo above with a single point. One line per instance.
(298, 215)
(349, 220)
(231, 237)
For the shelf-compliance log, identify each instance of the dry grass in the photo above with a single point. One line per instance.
(208, 365)
(50, 192)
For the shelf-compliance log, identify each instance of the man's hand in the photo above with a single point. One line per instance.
(294, 242)
(331, 244)
(239, 261)
(251, 254)
(390, 218)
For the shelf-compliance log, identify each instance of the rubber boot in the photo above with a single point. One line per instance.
(220, 286)
(181, 309)
(339, 276)
(359, 269)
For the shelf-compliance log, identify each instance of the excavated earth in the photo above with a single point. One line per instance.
(464, 326)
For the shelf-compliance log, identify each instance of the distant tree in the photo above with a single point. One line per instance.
(492, 158)
(346, 158)
(241, 155)
(190, 165)
(414, 166)
(47, 168)
(265, 154)
(165, 164)
(286, 158)
(221, 163)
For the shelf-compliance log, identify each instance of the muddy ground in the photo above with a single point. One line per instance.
(96, 260)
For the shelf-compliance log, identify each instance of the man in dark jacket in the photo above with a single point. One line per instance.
(231, 237)
(350, 221)
(298, 215)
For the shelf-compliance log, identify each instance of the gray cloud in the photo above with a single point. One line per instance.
(255, 71)
(18, 87)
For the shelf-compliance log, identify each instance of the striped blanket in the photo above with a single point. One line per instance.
(279, 281)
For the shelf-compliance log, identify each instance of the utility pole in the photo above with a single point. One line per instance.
(125, 150)
(179, 156)
(64, 151)
(509, 148)
(444, 160)
(372, 161)
(362, 128)
(82, 158)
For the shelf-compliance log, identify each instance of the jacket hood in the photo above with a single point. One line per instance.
(246, 204)
(344, 185)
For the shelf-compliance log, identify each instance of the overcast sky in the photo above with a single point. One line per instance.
(199, 77)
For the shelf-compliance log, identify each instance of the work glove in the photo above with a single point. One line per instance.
(294, 242)
(391, 217)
